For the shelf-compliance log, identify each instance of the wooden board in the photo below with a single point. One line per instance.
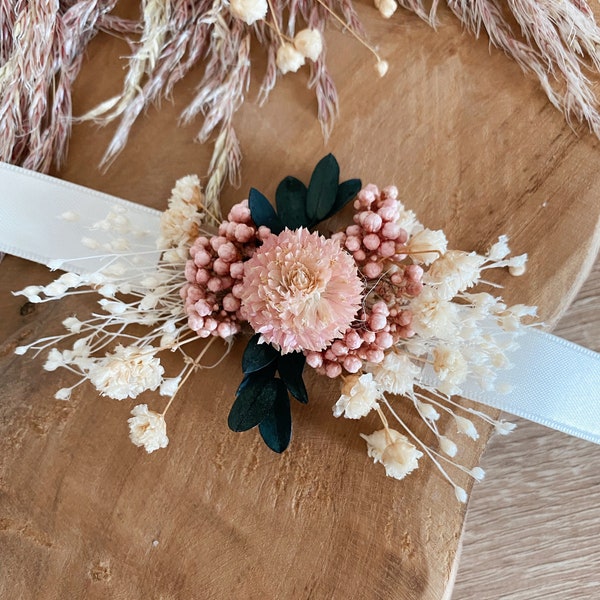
(475, 149)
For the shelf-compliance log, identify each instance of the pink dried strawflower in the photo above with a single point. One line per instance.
(300, 291)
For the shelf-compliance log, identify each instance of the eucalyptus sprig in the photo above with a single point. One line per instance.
(270, 377)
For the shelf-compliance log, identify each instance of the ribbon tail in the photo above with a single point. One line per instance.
(44, 219)
(553, 382)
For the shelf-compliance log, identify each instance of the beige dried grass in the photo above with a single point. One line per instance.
(42, 45)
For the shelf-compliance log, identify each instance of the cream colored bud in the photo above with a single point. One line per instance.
(382, 67)
(517, 271)
(309, 43)
(386, 7)
(288, 58)
(248, 11)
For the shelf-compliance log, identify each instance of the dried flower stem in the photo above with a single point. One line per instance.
(190, 369)
(350, 29)
(275, 23)
(278, 32)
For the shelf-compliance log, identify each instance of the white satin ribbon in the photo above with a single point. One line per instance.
(32, 225)
(554, 382)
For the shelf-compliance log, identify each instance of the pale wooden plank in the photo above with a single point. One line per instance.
(533, 526)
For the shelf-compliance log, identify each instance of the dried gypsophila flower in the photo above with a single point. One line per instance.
(309, 43)
(180, 223)
(382, 67)
(288, 59)
(454, 272)
(359, 396)
(396, 374)
(127, 372)
(426, 246)
(386, 7)
(147, 428)
(249, 11)
(393, 450)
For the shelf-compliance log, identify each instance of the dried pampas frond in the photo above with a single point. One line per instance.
(42, 46)
(555, 39)
(42, 43)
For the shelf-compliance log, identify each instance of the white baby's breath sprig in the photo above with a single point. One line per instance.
(359, 396)
(121, 364)
(381, 65)
(248, 11)
(148, 429)
(309, 43)
(386, 7)
(458, 335)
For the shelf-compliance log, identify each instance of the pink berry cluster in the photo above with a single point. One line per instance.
(376, 239)
(376, 330)
(215, 272)
(377, 243)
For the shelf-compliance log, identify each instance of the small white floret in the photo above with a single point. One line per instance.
(248, 11)
(394, 451)
(359, 396)
(70, 279)
(147, 428)
(477, 473)
(504, 427)
(447, 446)
(427, 246)
(466, 426)
(427, 411)
(382, 67)
(288, 59)
(309, 43)
(461, 495)
(54, 360)
(63, 394)
(396, 374)
(500, 249)
(517, 265)
(386, 7)
(72, 324)
(127, 372)
(170, 386)
(55, 289)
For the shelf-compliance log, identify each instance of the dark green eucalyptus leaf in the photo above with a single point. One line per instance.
(346, 192)
(322, 189)
(290, 370)
(254, 400)
(257, 356)
(291, 203)
(263, 213)
(262, 375)
(276, 427)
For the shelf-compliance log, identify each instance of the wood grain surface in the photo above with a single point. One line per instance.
(533, 526)
(475, 149)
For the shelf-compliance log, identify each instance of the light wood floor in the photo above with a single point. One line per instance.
(533, 527)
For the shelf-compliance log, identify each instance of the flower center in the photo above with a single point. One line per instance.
(300, 279)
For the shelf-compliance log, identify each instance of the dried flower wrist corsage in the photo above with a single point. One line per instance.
(382, 305)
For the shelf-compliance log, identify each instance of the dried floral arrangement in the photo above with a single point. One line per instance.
(382, 306)
(44, 42)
